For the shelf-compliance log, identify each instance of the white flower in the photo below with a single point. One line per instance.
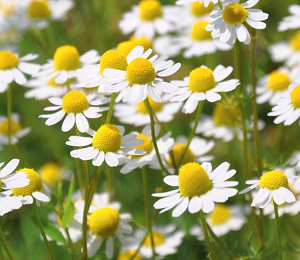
(228, 22)
(292, 21)
(199, 188)
(108, 144)
(77, 106)
(203, 84)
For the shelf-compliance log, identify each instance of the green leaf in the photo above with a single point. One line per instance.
(69, 210)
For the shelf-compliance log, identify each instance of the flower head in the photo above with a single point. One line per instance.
(292, 21)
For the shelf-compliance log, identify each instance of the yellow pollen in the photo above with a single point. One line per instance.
(140, 71)
(8, 60)
(158, 239)
(34, 185)
(113, 59)
(127, 255)
(108, 139)
(193, 180)
(178, 151)
(150, 10)
(278, 81)
(273, 180)
(295, 97)
(75, 102)
(198, 9)
(156, 107)
(51, 174)
(104, 222)
(15, 127)
(66, 58)
(295, 41)
(201, 80)
(234, 14)
(51, 83)
(146, 146)
(198, 31)
(39, 9)
(8, 9)
(225, 116)
(220, 214)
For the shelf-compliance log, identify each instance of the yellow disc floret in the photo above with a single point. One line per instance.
(127, 255)
(140, 71)
(51, 173)
(39, 9)
(201, 80)
(220, 214)
(234, 14)
(8, 60)
(15, 127)
(66, 58)
(295, 41)
(150, 10)
(273, 180)
(156, 107)
(127, 46)
(108, 138)
(113, 59)
(178, 151)
(75, 102)
(104, 222)
(146, 145)
(198, 9)
(158, 239)
(198, 31)
(34, 185)
(193, 180)
(142, 41)
(278, 81)
(295, 97)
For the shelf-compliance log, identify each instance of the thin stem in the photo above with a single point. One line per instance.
(220, 5)
(278, 231)
(34, 207)
(79, 168)
(206, 235)
(109, 174)
(9, 105)
(4, 244)
(68, 85)
(111, 108)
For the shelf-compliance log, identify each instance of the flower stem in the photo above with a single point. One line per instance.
(34, 207)
(111, 108)
(278, 230)
(109, 174)
(206, 235)
(4, 244)
(9, 105)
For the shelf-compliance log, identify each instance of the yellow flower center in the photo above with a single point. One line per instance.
(51, 174)
(156, 107)
(273, 180)
(278, 81)
(234, 14)
(150, 10)
(146, 146)
(142, 41)
(220, 214)
(178, 151)
(158, 239)
(51, 83)
(295, 97)
(104, 222)
(198, 31)
(127, 255)
(15, 127)
(193, 180)
(140, 71)
(201, 80)
(108, 139)
(113, 59)
(295, 41)
(66, 58)
(8, 60)
(35, 183)
(198, 9)
(8, 9)
(127, 46)
(75, 102)
(225, 116)
(39, 9)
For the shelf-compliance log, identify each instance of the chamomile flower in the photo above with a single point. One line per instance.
(108, 144)
(147, 19)
(228, 23)
(203, 84)
(142, 77)
(16, 131)
(287, 110)
(12, 68)
(272, 185)
(205, 2)
(9, 181)
(65, 62)
(77, 106)
(127, 46)
(292, 21)
(127, 254)
(199, 188)
(164, 144)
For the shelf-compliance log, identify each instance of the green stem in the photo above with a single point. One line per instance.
(4, 244)
(206, 235)
(79, 168)
(220, 5)
(68, 85)
(278, 230)
(34, 207)
(9, 105)
(109, 174)
(111, 108)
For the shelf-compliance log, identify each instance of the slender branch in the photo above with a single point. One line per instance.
(206, 236)
(278, 231)
(4, 244)
(111, 108)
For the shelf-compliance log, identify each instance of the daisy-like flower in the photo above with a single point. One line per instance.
(12, 68)
(65, 62)
(78, 106)
(205, 2)
(127, 254)
(108, 144)
(272, 185)
(164, 144)
(16, 131)
(147, 19)
(292, 21)
(199, 188)
(9, 181)
(287, 109)
(142, 77)
(203, 84)
(127, 46)
(228, 23)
